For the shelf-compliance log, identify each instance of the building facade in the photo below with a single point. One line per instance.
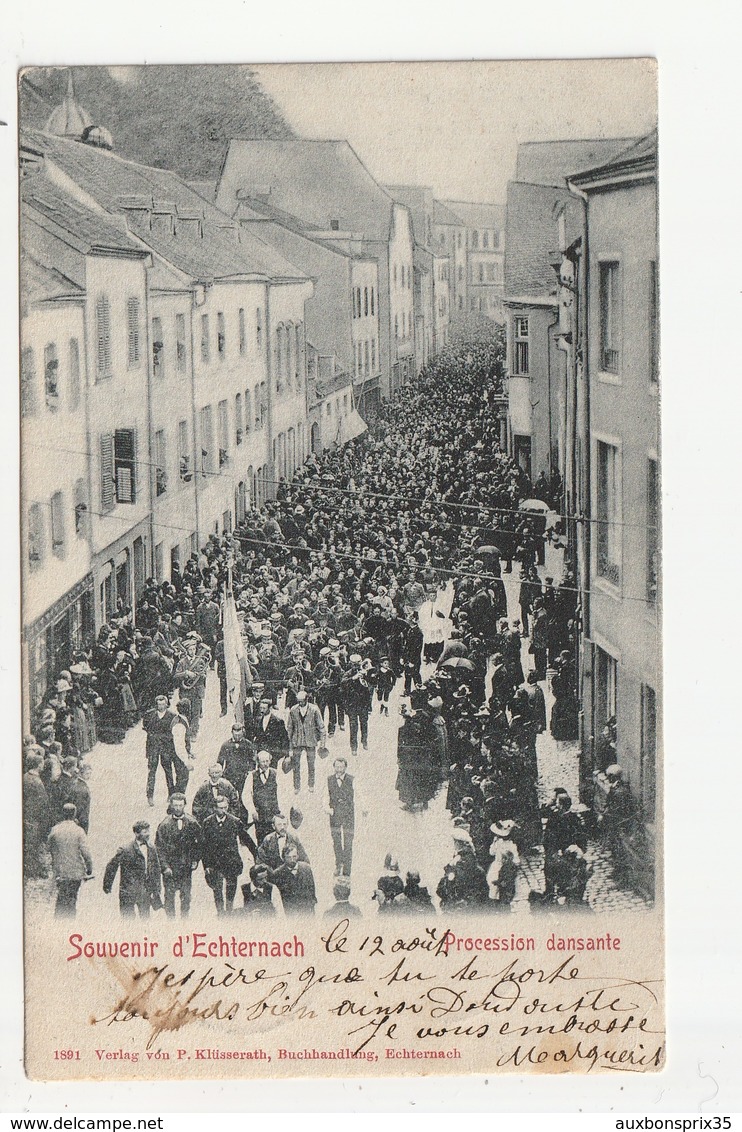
(326, 188)
(485, 248)
(620, 478)
(164, 354)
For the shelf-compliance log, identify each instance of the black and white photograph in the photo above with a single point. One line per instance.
(340, 418)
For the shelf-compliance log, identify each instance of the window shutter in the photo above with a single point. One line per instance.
(125, 461)
(103, 320)
(28, 382)
(107, 494)
(132, 327)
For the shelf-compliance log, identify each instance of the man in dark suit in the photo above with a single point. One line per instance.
(70, 788)
(207, 796)
(141, 877)
(178, 844)
(273, 847)
(269, 732)
(295, 881)
(237, 757)
(220, 853)
(260, 797)
(341, 806)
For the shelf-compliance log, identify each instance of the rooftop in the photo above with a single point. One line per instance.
(120, 186)
(639, 157)
(531, 236)
(89, 231)
(478, 214)
(551, 162)
(320, 182)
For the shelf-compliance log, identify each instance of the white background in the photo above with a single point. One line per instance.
(698, 49)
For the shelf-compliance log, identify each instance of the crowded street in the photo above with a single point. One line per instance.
(396, 592)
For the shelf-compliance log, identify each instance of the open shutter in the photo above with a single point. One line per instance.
(107, 482)
(125, 461)
(103, 328)
(132, 321)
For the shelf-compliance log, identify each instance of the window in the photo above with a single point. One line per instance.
(74, 399)
(258, 404)
(396, 326)
(204, 338)
(491, 272)
(221, 336)
(57, 514)
(181, 353)
(373, 300)
(81, 508)
(158, 349)
(373, 355)
(28, 382)
(395, 275)
(460, 239)
(160, 463)
(481, 273)
(184, 453)
(238, 419)
(207, 440)
(242, 330)
(461, 274)
(132, 333)
(365, 300)
(35, 536)
(475, 239)
(51, 376)
(520, 347)
(648, 764)
(259, 327)
(299, 353)
(606, 688)
(366, 358)
(608, 504)
(124, 448)
(652, 531)
(107, 476)
(334, 225)
(353, 301)
(248, 419)
(654, 311)
(485, 239)
(610, 317)
(223, 410)
(345, 399)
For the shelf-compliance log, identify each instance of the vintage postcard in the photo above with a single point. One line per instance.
(342, 707)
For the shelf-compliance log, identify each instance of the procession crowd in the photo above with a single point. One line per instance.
(379, 564)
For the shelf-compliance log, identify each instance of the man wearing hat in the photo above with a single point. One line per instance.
(355, 697)
(141, 876)
(237, 757)
(269, 731)
(70, 787)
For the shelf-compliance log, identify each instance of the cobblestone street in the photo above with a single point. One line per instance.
(421, 841)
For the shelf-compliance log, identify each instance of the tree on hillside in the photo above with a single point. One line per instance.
(174, 117)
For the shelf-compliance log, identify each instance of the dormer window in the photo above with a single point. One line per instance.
(334, 225)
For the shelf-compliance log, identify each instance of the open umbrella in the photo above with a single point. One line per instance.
(534, 505)
(489, 549)
(458, 662)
